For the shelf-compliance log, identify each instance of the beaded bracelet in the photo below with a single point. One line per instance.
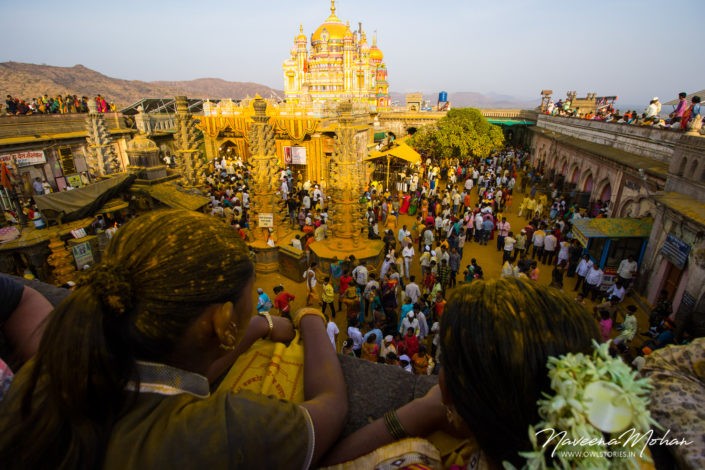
(394, 426)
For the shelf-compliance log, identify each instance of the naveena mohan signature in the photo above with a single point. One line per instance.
(629, 438)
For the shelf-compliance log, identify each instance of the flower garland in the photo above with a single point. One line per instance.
(599, 404)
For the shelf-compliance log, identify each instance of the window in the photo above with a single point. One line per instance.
(681, 170)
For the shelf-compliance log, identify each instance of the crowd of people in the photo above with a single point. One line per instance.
(685, 116)
(156, 360)
(58, 104)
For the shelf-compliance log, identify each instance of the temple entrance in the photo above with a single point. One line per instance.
(227, 149)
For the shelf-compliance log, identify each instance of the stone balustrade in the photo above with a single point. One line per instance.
(640, 140)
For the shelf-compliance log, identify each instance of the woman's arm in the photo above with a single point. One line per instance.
(324, 387)
(419, 418)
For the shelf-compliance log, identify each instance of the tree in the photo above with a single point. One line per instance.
(461, 132)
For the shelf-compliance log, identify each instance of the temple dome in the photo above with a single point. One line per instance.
(141, 143)
(333, 27)
(375, 53)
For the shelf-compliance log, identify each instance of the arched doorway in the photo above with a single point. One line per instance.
(574, 177)
(564, 168)
(411, 130)
(587, 186)
(227, 149)
(606, 193)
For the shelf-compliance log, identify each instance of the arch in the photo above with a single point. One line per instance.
(587, 182)
(411, 130)
(605, 191)
(681, 169)
(564, 167)
(575, 175)
(228, 148)
(693, 169)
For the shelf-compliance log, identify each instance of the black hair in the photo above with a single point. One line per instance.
(496, 337)
(136, 304)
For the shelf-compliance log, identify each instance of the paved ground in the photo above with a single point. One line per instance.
(487, 257)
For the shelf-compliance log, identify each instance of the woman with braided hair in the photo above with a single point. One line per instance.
(119, 380)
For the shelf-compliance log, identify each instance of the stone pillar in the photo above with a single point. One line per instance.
(190, 162)
(101, 157)
(346, 184)
(265, 164)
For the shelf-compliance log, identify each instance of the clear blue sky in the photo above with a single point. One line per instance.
(631, 48)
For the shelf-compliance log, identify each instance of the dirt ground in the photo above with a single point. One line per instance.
(487, 257)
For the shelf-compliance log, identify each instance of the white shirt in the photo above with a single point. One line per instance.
(356, 336)
(509, 243)
(594, 277)
(549, 243)
(583, 267)
(413, 292)
(296, 243)
(406, 324)
(360, 275)
(626, 269)
(408, 252)
(423, 326)
(332, 330)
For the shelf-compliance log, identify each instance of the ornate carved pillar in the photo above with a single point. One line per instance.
(190, 161)
(346, 183)
(265, 164)
(101, 157)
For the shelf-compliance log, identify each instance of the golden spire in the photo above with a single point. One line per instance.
(332, 7)
(374, 40)
(301, 28)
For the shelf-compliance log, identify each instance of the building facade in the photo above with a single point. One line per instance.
(339, 65)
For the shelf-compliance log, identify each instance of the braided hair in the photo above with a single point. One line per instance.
(158, 274)
(496, 337)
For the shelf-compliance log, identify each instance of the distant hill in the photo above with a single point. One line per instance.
(465, 99)
(27, 81)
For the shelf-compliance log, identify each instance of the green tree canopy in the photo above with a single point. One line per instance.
(461, 132)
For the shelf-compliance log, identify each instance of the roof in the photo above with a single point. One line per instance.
(621, 227)
(687, 206)
(86, 200)
(700, 93)
(402, 151)
(632, 160)
(176, 198)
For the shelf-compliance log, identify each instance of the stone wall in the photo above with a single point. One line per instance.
(686, 173)
(640, 140)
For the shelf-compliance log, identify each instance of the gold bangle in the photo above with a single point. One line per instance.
(394, 426)
(307, 311)
(267, 317)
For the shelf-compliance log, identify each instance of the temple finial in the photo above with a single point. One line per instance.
(301, 28)
(332, 7)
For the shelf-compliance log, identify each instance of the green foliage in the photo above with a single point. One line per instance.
(462, 132)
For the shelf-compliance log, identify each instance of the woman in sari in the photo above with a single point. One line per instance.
(351, 300)
(121, 378)
(370, 349)
(406, 200)
(424, 208)
(420, 361)
(691, 113)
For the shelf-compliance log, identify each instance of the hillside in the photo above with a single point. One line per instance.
(26, 81)
(30, 80)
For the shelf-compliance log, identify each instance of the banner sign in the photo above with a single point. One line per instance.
(676, 251)
(29, 158)
(295, 155)
(83, 254)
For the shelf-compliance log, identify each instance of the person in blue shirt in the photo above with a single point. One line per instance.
(377, 331)
(405, 309)
(264, 303)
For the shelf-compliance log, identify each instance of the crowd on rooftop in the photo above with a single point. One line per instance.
(685, 116)
(58, 104)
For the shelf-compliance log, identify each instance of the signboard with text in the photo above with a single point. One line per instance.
(266, 220)
(83, 254)
(295, 155)
(22, 159)
(676, 251)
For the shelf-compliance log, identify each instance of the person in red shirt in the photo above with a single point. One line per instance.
(345, 281)
(281, 301)
(411, 342)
